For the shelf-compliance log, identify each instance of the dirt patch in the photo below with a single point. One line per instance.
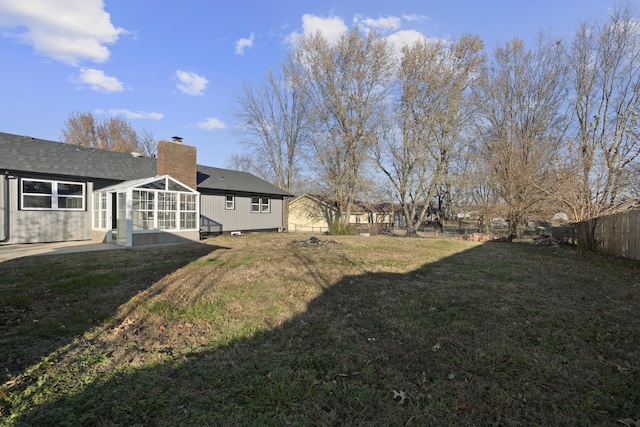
(313, 241)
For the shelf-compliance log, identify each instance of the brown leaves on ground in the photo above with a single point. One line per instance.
(475, 237)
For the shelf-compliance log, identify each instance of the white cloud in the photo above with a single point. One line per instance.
(191, 83)
(404, 38)
(131, 115)
(388, 23)
(331, 28)
(98, 80)
(243, 44)
(414, 17)
(69, 31)
(211, 123)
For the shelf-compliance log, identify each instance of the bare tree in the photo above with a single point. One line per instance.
(273, 121)
(242, 162)
(346, 84)
(80, 129)
(605, 61)
(147, 142)
(430, 117)
(523, 120)
(478, 184)
(114, 134)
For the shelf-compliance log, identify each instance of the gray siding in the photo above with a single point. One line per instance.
(212, 208)
(47, 226)
(3, 208)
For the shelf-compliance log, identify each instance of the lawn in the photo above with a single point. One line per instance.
(274, 329)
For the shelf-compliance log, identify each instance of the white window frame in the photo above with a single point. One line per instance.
(165, 210)
(100, 211)
(54, 196)
(263, 205)
(188, 211)
(167, 204)
(229, 204)
(146, 210)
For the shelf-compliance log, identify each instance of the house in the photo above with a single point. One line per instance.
(309, 213)
(371, 218)
(52, 192)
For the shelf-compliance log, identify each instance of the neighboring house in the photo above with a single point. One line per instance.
(371, 218)
(309, 213)
(51, 192)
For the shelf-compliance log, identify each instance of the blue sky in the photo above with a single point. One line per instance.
(174, 67)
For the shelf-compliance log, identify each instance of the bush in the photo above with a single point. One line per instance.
(341, 229)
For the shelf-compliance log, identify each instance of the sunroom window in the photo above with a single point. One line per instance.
(144, 209)
(167, 209)
(147, 211)
(159, 203)
(100, 211)
(188, 211)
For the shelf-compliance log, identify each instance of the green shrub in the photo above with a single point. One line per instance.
(341, 229)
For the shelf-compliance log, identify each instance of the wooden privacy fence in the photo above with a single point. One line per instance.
(617, 234)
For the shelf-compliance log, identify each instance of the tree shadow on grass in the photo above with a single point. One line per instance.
(455, 342)
(48, 301)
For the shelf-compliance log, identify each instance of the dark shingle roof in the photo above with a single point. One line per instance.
(235, 181)
(26, 154)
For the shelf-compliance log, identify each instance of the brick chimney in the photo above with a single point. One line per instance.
(177, 160)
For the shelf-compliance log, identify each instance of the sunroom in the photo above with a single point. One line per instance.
(149, 211)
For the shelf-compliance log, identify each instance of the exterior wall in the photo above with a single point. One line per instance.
(359, 218)
(309, 215)
(213, 212)
(47, 226)
(3, 208)
(160, 238)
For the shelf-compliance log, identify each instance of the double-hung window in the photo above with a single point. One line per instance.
(39, 194)
(230, 202)
(260, 204)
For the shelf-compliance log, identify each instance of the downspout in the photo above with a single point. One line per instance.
(7, 199)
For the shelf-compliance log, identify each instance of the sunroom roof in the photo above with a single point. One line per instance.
(164, 182)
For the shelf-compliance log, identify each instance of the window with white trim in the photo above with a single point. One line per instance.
(40, 194)
(167, 207)
(100, 211)
(143, 209)
(230, 202)
(260, 204)
(188, 211)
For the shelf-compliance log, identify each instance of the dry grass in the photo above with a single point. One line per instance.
(264, 330)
